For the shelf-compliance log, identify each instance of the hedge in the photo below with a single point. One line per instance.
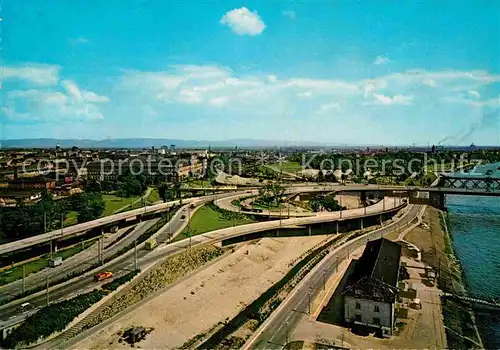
(50, 319)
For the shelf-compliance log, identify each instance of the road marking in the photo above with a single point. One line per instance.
(11, 317)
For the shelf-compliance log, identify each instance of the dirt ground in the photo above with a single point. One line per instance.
(212, 295)
(349, 201)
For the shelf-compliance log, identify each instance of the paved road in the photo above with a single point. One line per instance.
(125, 263)
(281, 323)
(119, 266)
(76, 264)
(83, 227)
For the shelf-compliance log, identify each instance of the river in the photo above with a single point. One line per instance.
(475, 228)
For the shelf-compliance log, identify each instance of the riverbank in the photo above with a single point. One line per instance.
(434, 240)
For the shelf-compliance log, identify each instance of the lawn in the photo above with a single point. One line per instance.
(114, 203)
(290, 167)
(271, 206)
(207, 219)
(154, 196)
(199, 183)
(71, 218)
(16, 273)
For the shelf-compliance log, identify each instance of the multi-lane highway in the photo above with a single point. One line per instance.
(274, 332)
(125, 263)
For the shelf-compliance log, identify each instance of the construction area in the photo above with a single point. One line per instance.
(200, 302)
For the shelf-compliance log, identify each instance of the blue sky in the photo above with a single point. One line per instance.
(335, 72)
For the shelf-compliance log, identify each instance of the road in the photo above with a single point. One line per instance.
(275, 331)
(120, 266)
(123, 264)
(76, 264)
(110, 219)
(83, 227)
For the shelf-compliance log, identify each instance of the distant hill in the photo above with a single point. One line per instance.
(148, 143)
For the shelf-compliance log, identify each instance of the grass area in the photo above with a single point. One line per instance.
(154, 196)
(198, 183)
(263, 205)
(290, 167)
(71, 218)
(113, 203)
(207, 219)
(16, 273)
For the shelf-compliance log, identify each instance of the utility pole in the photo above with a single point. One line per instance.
(51, 249)
(341, 207)
(309, 299)
(324, 279)
(286, 332)
(44, 222)
(62, 223)
(280, 213)
(99, 250)
(24, 281)
(135, 256)
(47, 295)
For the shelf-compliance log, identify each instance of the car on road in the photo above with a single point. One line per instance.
(25, 307)
(183, 217)
(103, 275)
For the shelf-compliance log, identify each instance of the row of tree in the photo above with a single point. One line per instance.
(48, 214)
(327, 203)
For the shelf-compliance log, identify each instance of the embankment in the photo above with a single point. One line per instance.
(435, 242)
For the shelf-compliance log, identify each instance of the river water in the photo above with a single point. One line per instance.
(475, 229)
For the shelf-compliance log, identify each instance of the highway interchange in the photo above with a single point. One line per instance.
(123, 264)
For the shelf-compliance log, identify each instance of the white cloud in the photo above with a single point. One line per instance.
(91, 96)
(48, 105)
(305, 94)
(474, 94)
(79, 40)
(492, 102)
(243, 22)
(219, 101)
(329, 107)
(35, 73)
(381, 99)
(381, 60)
(289, 13)
(69, 102)
(190, 97)
(429, 82)
(192, 71)
(321, 84)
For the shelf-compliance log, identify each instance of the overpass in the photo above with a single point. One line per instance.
(435, 197)
(102, 223)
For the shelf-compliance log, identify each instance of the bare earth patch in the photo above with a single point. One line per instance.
(213, 295)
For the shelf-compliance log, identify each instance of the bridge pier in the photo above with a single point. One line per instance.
(362, 226)
(437, 200)
(337, 226)
(309, 229)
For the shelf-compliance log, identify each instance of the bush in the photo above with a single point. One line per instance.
(50, 319)
(113, 285)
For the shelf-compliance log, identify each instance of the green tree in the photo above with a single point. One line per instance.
(90, 206)
(330, 203)
(315, 204)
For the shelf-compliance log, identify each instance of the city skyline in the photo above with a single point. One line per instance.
(329, 73)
